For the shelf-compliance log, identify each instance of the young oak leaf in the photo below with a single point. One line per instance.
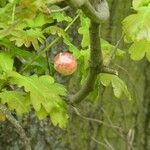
(138, 50)
(119, 87)
(61, 17)
(136, 27)
(28, 37)
(41, 114)
(22, 53)
(58, 115)
(44, 93)
(15, 100)
(140, 3)
(84, 31)
(55, 30)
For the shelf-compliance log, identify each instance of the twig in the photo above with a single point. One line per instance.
(99, 105)
(108, 70)
(16, 124)
(95, 120)
(58, 10)
(109, 145)
(121, 131)
(105, 124)
(101, 143)
(130, 138)
(96, 58)
(114, 51)
(48, 47)
(48, 63)
(13, 12)
(88, 9)
(107, 116)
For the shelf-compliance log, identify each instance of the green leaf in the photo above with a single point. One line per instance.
(136, 27)
(6, 61)
(119, 87)
(28, 37)
(44, 92)
(3, 79)
(6, 13)
(107, 48)
(38, 21)
(23, 53)
(41, 114)
(28, 9)
(55, 30)
(61, 17)
(16, 101)
(140, 3)
(7, 29)
(59, 116)
(105, 79)
(108, 51)
(94, 94)
(139, 49)
(72, 48)
(84, 31)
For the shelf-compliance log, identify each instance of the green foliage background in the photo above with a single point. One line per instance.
(30, 86)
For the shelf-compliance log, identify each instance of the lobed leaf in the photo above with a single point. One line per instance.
(119, 87)
(137, 26)
(84, 31)
(28, 37)
(140, 3)
(17, 101)
(44, 94)
(139, 48)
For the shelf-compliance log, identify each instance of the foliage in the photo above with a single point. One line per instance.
(26, 25)
(40, 92)
(136, 28)
(119, 87)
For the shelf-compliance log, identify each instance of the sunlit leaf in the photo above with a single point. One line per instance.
(28, 37)
(6, 61)
(140, 3)
(137, 26)
(16, 101)
(139, 49)
(44, 92)
(41, 114)
(84, 31)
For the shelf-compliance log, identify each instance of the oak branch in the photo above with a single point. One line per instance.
(97, 11)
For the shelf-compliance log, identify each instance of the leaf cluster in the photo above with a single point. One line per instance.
(25, 26)
(136, 28)
(21, 93)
